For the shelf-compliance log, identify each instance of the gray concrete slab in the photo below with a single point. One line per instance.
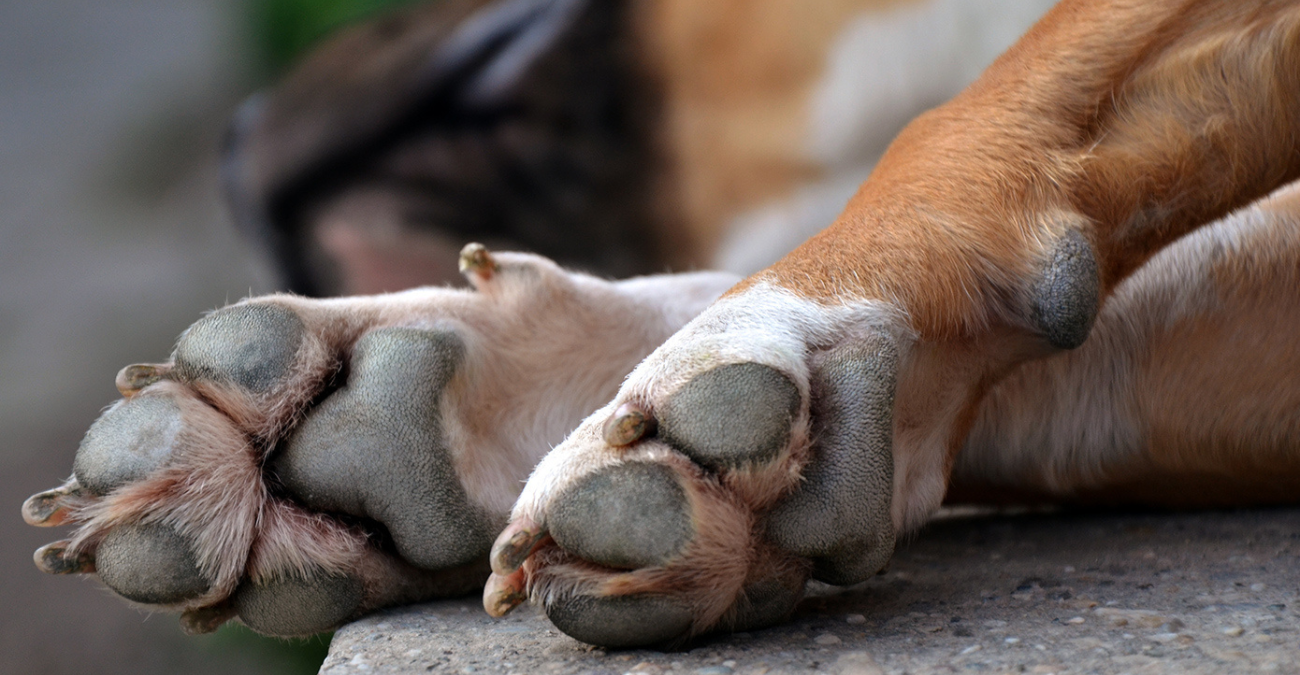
(1211, 592)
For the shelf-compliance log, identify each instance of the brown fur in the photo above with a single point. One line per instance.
(737, 75)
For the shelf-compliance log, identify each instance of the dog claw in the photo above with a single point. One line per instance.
(477, 260)
(131, 379)
(206, 620)
(514, 545)
(628, 424)
(505, 592)
(54, 558)
(49, 508)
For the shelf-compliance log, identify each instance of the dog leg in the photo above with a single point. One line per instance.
(1183, 396)
(851, 371)
(300, 462)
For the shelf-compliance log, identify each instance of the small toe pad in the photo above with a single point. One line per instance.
(621, 621)
(731, 415)
(252, 346)
(296, 607)
(127, 443)
(626, 516)
(150, 563)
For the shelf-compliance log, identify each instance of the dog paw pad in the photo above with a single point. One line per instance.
(128, 443)
(376, 448)
(602, 516)
(151, 564)
(731, 415)
(620, 621)
(252, 346)
(295, 606)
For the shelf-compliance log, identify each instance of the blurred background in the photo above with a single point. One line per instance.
(114, 238)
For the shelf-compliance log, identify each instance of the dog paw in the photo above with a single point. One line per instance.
(297, 463)
(751, 451)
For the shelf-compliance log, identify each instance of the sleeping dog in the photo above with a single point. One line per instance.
(1072, 282)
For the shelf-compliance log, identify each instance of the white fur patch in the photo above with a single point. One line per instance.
(764, 324)
(884, 69)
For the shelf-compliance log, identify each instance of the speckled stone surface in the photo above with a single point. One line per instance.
(1210, 592)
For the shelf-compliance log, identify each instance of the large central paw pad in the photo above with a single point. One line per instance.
(384, 427)
(706, 505)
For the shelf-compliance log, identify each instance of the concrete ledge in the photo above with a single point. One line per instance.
(1210, 592)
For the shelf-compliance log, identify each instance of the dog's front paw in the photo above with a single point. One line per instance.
(750, 451)
(300, 462)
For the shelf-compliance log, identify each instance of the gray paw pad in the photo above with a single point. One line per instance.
(296, 607)
(620, 622)
(626, 516)
(127, 443)
(1066, 295)
(731, 415)
(252, 346)
(841, 514)
(766, 603)
(375, 448)
(150, 563)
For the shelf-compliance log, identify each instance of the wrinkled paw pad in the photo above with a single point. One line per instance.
(376, 448)
(731, 415)
(252, 346)
(625, 516)
(151, 564)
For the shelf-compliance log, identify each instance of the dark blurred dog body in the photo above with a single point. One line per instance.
(622, 137)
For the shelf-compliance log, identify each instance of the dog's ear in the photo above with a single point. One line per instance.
(444, 63)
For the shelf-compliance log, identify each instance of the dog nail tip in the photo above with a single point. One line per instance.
(629, 424)
(54, 558)
(477, 262)
(131, 379)
(503, 593)
(513, 546)
(206, 620)
(49, 508)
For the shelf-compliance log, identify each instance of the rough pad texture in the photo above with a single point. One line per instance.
(375, 449)
(1067, 294)
(127, 443)
(840, 515)
(731, 415)
(617, 622)
(252, 346)
(626, 516)
(150, 563)
(295, 607)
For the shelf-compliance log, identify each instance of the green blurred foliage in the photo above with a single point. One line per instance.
(281, 657)
(284, 29)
